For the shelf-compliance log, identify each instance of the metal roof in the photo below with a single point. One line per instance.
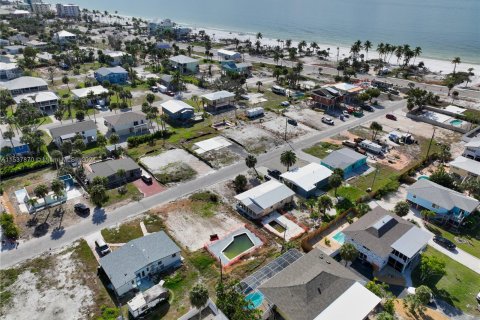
(75, 127)
(125, 118)
(218, 95)
(444, 197)
(474, 143)
(106, 71)
(183, 59)
(466, 164)
(24, 82)
(342, 158)
(173, 106)
(308, 176)
(36, 97)
(121, 264)
(412, 241)
(83, 92)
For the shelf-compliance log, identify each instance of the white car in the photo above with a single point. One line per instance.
(285, 104)
(98, 107)
(328, 121)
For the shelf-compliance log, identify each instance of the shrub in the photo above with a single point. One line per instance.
(22, 167)
(8, 225)
(205, 196)
(327, 242)
(138, 140)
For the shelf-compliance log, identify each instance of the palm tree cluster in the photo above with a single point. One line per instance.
(386, 51)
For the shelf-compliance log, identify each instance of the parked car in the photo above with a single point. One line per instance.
(146, 178)
(154, 89)
(274, 173)
(348, 143)
(368, 108)
(328, 121)
(98, 107)
(170, 93)
(82, 209)
(391, 116)
(285, 104)
(346, 114)
(444, 242)
(292, 122)
(102, 247)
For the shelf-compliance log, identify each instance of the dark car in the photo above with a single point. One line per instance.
(444, 242)
(368, 108)
(81, 209)
(292, 122)
(391, 116)
(274, 173)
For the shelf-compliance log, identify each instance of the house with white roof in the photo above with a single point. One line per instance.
(13, 49)
(229, 55)
(97, 91)
(306, 181)
(126, 123)
(9, 71)
(177, 110)
(446, 203)
(317, 287)
(44, 100)
(472, 149)
(64, 37)
(184, 64)
(264, 199)
(24, 85)
(39, 45)
(116, 57)
(383, 238)
(465, 167)
(218, 101)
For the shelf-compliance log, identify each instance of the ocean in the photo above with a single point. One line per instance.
(442, 28)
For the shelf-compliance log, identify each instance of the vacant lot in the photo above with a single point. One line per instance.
(309, 117)
(279, 126)
(254, 139)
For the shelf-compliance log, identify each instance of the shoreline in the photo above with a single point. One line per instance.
(435, 65)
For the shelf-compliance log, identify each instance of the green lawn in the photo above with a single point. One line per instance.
(274, 100)
(126, 232)
(472, 238)
(114, 196)
(322, 149)
(180, 134)
(458, 286)
(144, 148)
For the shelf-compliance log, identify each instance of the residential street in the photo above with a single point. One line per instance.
(99, 220)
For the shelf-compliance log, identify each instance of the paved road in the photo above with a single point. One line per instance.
(99, 219)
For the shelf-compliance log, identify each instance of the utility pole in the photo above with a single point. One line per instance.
(286, 125)
(431, 140)
(374, 176)
(338, 53)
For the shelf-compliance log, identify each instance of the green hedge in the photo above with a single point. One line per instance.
(22, 167)
(8, 225)
(138, 140)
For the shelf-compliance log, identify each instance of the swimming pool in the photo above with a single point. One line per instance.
(255, 299)
(456, 122)
(339, 237)
(423, 178)
(240, 244)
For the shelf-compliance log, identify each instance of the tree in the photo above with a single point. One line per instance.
(66, 80)
(443, 178)
(363, 209)
(98, 194)
(348, 252)
(57, 156)
(427, 214)
(380, 289)
(10, 134)
(101, 140)
(6, 100)
(122, 174)
(114, 139)
(10, 229)
(455, 62)
(385, 316)
(431, 266)
(41, 191)
(417, 97)
(58, 188)
(250, 162)
(240, 183)
(66, 147)
(367, 45)
(335, 181)
(416, 302)
(80, 115)
(424, 294)
(401, 209)
(288, 158)
(150, 98)
(324, 203)
(199, 297)
(376, 128)
(259, 84)
(233, 303)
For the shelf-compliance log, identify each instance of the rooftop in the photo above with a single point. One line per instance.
(466, 164)
(308, 176)
(174, 106)
(218, 95)
(64, 33)
(121, 264)
(444, 197)
(183, 59)
(125, 118)
(106, 71)
(474, 143)
(110, 167)
(36, 97)
(265, 195)
(24, 82)
(342, 158)
(84, 92)
(70, 128)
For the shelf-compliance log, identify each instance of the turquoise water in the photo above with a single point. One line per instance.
(339, 237)
(443, 28)
(255, 298)
(240, 244)
(423, 178)
(456, 123)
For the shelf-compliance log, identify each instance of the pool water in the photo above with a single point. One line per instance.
(255, 299)
(423, 178)
(339, 237)
(277, 226)
(456, 123)
(240, 244)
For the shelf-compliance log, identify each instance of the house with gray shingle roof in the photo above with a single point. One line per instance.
(446, 203)
(25, 85)
(316, 286)
(184, 64)
(117, 75)
(109, 169)
(383, 238)
(132, 265)
(264, 199)
(68, 131)
(346, 159)
(125, 123)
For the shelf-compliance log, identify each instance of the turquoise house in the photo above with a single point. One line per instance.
(446, 203)
(348, 160)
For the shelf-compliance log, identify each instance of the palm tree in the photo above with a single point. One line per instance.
(259, 84)
(455, 61)
(348, 252)
(259, 35)
(41, 191)
(66, 80)
(114, 139)
(324, 203)
(470, 73)
(199, 297)
(57, 156)
(335, 181)
(288, 158)
(362, 209)
(427, 214)
(251, 162)
(367, 45)
(10, 134)
(376, 128)
(58, 188)
(416, 53)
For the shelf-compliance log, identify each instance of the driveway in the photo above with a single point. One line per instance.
(149, 190)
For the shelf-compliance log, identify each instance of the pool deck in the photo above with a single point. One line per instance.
(293, 230)
(216, 248)
(334, 244)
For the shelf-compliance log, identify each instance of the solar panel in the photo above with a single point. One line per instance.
(256, 279)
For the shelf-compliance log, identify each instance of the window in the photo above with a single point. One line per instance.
(414, 196)
(133, 281)
(174, 255)
(135, 123)
(435, 206)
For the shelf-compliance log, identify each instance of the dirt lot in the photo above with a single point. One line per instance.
(308, 117)
(255, 139)
(277, 128)
(191, 228)
(49, 288)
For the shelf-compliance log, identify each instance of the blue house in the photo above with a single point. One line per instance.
(18, 148)
(349, 161)
(446, 203)
(178, 110)
(117, 75)
(231, 66)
